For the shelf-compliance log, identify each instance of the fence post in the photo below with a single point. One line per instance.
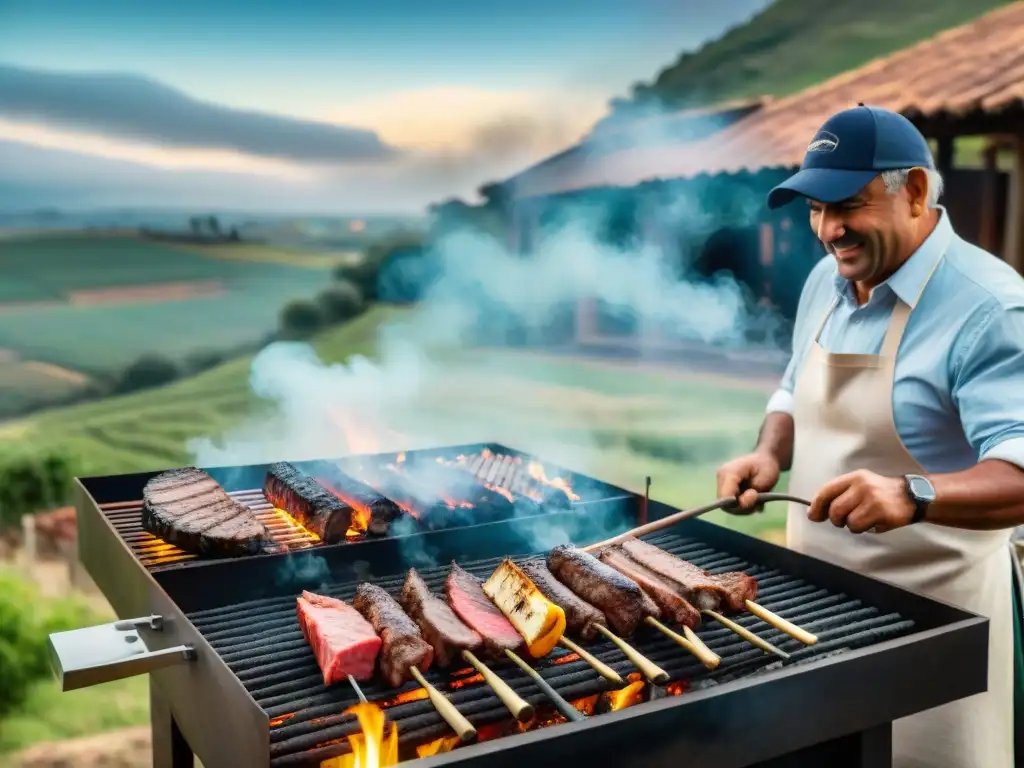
(28, 529)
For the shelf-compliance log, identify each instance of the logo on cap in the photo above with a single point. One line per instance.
(823, 142)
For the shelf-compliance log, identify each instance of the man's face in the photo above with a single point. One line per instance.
(869, 232)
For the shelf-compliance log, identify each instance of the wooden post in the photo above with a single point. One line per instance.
(987, 236)
(31, 543)
(1013, 244)
(944, 155)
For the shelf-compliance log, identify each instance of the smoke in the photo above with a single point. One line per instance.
(437, 379)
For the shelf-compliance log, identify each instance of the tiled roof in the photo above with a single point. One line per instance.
(978, 66)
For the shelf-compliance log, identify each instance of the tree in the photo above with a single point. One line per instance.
(300, 319)
(150, 370)
(341, 301)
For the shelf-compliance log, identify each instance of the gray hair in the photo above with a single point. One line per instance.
(896, 179)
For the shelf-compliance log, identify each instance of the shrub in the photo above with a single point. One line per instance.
(300, 319)
(342, 301)
(366, 274)
(26, 618)
(146, 372)
(33, 480)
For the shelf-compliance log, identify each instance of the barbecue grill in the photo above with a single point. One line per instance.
(233, 682)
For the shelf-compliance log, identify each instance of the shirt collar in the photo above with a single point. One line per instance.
(909, 280)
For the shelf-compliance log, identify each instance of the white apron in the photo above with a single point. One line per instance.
(844, 422)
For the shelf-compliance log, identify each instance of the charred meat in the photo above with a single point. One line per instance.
(188, 508)
(440, 626)
(374, 512)
(580, 616)
(673, 605)
(466, 597)
(302, 497)
(620, 598)
(403, 647)
(343, 641)
(704, 590)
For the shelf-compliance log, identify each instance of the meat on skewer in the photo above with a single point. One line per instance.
(465, 593)
(666, 594)
(302, 497)
(403, 647)
(702, 589)
(343, 642)
(624, 604)
(580, 616)
(439, 625)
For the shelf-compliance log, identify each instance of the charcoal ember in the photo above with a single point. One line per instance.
(189, 509)
(377, 512)
(302, 497)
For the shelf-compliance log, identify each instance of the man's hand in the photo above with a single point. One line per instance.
(743, 478)
(862, 501)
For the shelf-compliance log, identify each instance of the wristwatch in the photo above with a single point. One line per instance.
(920, 491)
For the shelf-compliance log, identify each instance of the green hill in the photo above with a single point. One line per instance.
(616, 422)
(793, 44)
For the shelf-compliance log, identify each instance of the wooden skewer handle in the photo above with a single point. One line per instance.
(462, 727)
(650, 670)
(599, 666)
(706, 656)
(746, 634)
(521, 710)
(780, 623)
(568, 711)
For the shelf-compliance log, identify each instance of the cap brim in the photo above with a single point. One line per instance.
(826, 185)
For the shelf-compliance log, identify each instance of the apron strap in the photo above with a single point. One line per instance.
(828, 314)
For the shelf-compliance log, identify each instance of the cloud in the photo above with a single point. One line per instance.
(133, 107)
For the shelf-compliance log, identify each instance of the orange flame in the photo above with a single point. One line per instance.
(625, 697)
(372, 748)
(295, 525)
(537, 472)
(416, 694)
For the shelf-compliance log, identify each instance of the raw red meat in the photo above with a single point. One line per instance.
(343, 641)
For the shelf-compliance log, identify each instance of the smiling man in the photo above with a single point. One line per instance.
(901, 413)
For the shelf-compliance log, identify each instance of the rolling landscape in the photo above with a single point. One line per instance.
(91, 288)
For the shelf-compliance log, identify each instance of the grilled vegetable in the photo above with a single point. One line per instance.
(537, 619)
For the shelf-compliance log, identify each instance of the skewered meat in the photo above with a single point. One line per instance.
(620, 598)
(188, 508)
(466, 596)
(702, 589)
(673, 605)
(438, 623)
(580, 616)
(537, 619)
(402, 645)
(343, 641)
(302, 497)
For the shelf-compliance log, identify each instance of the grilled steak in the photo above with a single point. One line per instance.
(343, 641)
(402, 645)
(302, 497)
(373, 511)
(436, 620)
(466, 597)
(580, 616)
(673, 605)
(187, 508)
(699, 587)
(620, 598)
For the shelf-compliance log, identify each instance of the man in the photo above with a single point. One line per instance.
(901, 413)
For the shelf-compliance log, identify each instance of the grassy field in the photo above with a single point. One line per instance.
(609, 420)
(42, 316)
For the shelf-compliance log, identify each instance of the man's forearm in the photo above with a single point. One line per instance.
(776, 438)
(988, 496)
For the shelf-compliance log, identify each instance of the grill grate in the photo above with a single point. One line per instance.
(262, 644)
(154, 552)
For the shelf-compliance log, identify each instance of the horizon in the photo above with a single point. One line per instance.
(386, 108)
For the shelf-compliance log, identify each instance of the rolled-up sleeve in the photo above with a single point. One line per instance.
(989, 386)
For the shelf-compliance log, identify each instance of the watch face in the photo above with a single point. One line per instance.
(921, 489)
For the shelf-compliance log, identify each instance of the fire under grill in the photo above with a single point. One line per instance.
(234, 682)
(262, 644)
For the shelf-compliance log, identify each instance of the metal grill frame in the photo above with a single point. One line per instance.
(204, 705)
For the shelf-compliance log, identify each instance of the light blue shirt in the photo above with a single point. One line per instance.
(958, 393)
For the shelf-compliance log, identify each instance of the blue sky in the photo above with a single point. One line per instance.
(435, 79)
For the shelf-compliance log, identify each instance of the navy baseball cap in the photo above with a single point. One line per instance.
(849, 150)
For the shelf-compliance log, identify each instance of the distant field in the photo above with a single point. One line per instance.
(96, 303)
(273, 254)
(617, 423)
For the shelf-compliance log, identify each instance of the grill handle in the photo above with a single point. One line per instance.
(93, 655)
